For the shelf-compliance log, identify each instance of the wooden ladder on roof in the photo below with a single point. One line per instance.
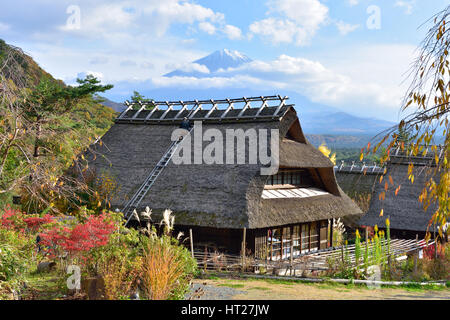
(136, 199)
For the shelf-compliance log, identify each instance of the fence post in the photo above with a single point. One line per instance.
(366, 263)
(192, 242)
(417, 254)
(243, 248)
(292, 250)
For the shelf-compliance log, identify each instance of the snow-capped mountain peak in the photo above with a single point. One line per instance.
(220, 59)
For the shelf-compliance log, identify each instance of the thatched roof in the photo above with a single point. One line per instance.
(218, 195)
(404, 210)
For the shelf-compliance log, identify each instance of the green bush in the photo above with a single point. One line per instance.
(15, 254)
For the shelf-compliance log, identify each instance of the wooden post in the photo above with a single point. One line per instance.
(309, 235)
(435, 242)
(243, 248)
(192, 242)
(416, 255)
(292, 247)
(367, 248)
(331, 232)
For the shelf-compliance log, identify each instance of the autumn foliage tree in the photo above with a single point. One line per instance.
(426, 123)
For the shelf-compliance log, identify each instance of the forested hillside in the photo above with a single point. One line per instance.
(44, 125)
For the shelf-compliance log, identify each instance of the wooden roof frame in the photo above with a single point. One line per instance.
(197, 105)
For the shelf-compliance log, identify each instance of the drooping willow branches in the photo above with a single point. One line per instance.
(425, 127)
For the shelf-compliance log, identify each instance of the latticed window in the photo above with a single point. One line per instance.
(305, 237)
(314, 239)
(300, 177)
(282, 242)
(296, 239)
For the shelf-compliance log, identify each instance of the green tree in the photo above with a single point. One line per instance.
(44, 125)
(49, 100)
(137, 98)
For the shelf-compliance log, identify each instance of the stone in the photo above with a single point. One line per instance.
(46, 266)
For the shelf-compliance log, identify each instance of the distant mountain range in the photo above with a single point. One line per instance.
(316, 118)
(118, 107)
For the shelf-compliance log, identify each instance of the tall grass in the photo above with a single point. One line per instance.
(162, 269)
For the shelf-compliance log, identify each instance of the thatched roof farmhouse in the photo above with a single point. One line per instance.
(217, 201)
(407, 216)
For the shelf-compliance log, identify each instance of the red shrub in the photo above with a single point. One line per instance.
(16, 220)
(80, 238)
(429, 252)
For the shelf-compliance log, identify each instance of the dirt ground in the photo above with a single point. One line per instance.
(254, 289)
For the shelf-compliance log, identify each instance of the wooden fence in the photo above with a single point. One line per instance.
(307, 262)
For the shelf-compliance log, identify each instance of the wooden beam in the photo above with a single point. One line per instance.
(282, 102)
(230, 106)
(214, 107)
(263, 105)
(199, 107)
(139, 111)
(181, 110)
(129, 106)
(246, 106)
(169, 107)
(151, 113)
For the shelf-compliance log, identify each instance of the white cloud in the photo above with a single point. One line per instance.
(345, 28)
(232, 32)
(4, 27)
(294, 21)
(188, 67)
(103, 18)
(353, 2)
(207, 27)
(407, 5)
(84, 74)
(307, 13)
(279, 31)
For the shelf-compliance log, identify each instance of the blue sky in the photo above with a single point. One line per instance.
(322, 49)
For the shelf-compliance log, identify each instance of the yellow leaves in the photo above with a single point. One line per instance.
(381, 179)
(411, 178)
(361, 156)
(388, 222)
(391, 181)
(410, 168)
(381, 212)
(333, 158)
(324, 149)
(382, 196)
(326, 152)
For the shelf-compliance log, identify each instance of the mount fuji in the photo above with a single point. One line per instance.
(209, 65)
